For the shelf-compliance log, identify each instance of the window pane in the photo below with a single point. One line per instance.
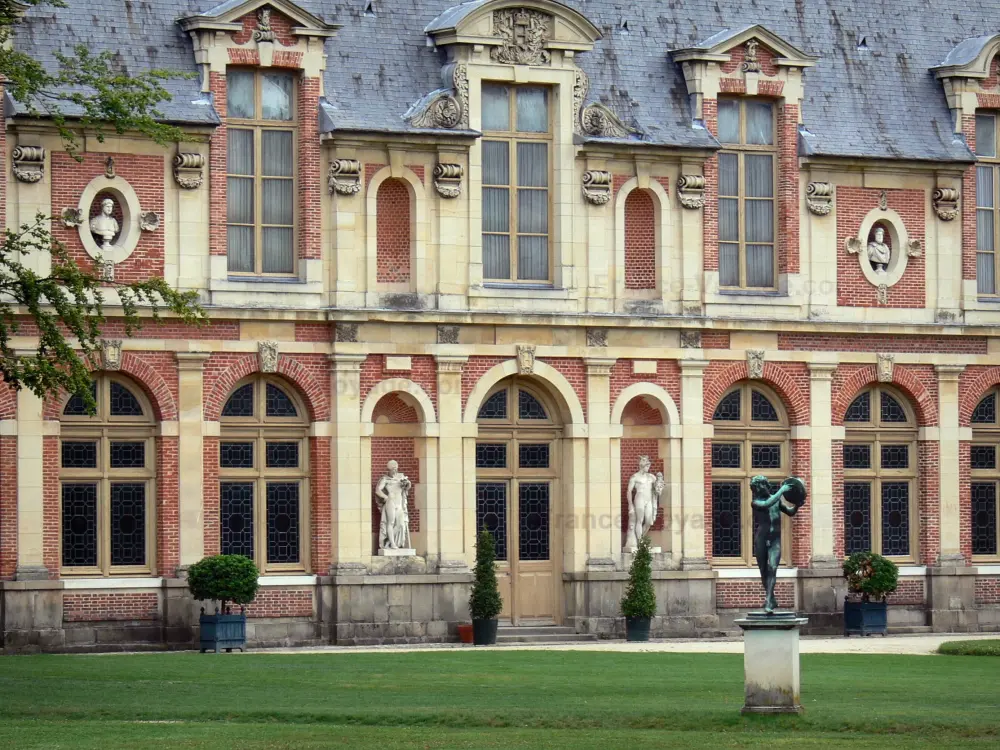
(496, 163)
(279, 250)
(278, 403)
(491, 513)
(983, 456)
(239, 151)
(895, 518)
(891, 409)
(532, 109)
(240, 403)
(276, 96)
(759, 176)
(986, 136)
(760, 123)
(239, 200)
(529, 407)
(277, 198)
(239, 94)
(491, 455)
(729, 219)
(761, 409)
(236, 509)
(533, 211)
(984, 229)
(532, 164)
(240, 249)
(895, 456)
(533, 521)
(496, 256)
(123, 402)
(985, 273)
(860, 409)
(726, 455)
(276, 153)
(79, 525)
(729, 174)
(986, 410)
(857, 456)
(729, 121)
(760, 265)
(282, 522)
(765, 456)
(729, 265)
(282, 455)
(76, 406)
(496, 107)
(857, 517)
(727, 532)
(496, 210)
(728, 409)
(984, 187)
(128, 524)
(495, 407)
(79, 455)
(128, 455)
(532, 258)
(236, 455)
(760, 220)
(984, 518)
(533, 455)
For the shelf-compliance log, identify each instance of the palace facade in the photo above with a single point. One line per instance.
(514, 246)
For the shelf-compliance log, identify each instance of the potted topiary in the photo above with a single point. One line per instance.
(639, 602)
(226, 579)
(870, 579)
(484, 600)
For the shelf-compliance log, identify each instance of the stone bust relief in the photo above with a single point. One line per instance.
(879, 253)
(105, 226)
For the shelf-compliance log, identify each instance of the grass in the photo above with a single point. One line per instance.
(988, 647)
(494, 699)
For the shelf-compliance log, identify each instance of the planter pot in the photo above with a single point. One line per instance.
(637, 628)
(865, 618)
(484, 632)
(223, 632)
(465, 633)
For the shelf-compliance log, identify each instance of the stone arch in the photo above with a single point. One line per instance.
(794, 399)
(661, 205)
(564, 395)
(307, 387)
(973, 392)
(666, 405)
(153, 384)
(920, 398)
(399, 385)
(418, 222)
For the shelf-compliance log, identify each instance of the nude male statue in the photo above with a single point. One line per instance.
(767, 510)
(391, 493)
(879, 252)
(105, 225)
(643, 493)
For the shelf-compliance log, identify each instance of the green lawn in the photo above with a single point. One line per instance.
(494, 699)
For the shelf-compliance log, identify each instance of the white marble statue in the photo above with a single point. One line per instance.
(643, 493)
(105, 225)
(392, 494)
(879, 252)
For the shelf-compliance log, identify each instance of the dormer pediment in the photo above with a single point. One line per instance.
(970, 58)
(718, 48)
(228, 16)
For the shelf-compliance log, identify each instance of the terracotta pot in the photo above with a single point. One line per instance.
(465, 633)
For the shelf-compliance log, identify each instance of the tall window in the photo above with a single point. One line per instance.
(516, 147)
(261, 172)
(106, 481)
(751, 438)
(880, 475)
(263, 472)
(746, 194)
(987, 226)
(985, 476)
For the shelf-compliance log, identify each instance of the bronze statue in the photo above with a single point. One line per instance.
(767, 508)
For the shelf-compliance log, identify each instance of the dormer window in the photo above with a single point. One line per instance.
(261, 172)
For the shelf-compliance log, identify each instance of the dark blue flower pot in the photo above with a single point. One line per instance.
(637, 629)
(223, 632)
(865, 618)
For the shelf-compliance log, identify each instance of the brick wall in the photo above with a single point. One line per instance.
(987, 591)
(788, 188)
(801, 524)
(668, 377)
(715, 339)
(393, 232)
(909, 591)
(8, 507)
(281, 25)
(965, 500)
(973, 384)
(309, 176)
(277, 602)
(167, 507)
(320, 478)
(217, 167)
(969, 203)
(929, 507)
(210, 495)
(710, 170)
(474, 370)
(314, 332)
(746, 593)
(51, 505)
(103, 607)
(576, 373)
(394, 410)
(765, 56)
(837, 469)
(402, 450)
(836, 342)
(640, 240)
(144, 173)
(853, 288)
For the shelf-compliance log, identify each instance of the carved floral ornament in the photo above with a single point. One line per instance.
(344, 176)
(447, 108)
(755, 364)
(267, 356)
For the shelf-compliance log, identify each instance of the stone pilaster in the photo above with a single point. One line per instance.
(31, 430)
(450, 544)
(604, 535)
(693, 434)
(191, 432)
(350, 502)
(949, 507)
(821, 462)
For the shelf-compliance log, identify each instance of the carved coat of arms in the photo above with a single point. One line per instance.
(524, 33)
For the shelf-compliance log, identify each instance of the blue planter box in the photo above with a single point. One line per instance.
(223, 632)
(865, 618)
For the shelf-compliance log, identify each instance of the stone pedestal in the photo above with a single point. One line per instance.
(771, 662)
(397, 553)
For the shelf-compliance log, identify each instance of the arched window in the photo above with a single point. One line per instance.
(263, 475)
(751, 438)
(107, 469)
(880, 474)
(985, 476)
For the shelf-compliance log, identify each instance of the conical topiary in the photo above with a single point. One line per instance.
(484, 600)
(640, 598)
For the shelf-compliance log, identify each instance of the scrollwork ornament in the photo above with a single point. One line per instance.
(525, 359)
(189, 170)
(448, 179)
(600, 122)
(914, 248)
(945, 202)
(443, 112)
(882, 294)
(28, 163)
(524, 33)
(691, 191)
(750, 62)
(72, 217)
(690, 339)
(853, 245)
(263, 32)
(581, 85)
(460, 81)
(344, 176)
(597, 337)
(819, 198)
(885, 365)
(597, 186)
(149, 221)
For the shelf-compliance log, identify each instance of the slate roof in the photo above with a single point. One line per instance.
(878, 102)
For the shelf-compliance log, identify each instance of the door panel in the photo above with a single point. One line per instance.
(534, 582)
(492, 512)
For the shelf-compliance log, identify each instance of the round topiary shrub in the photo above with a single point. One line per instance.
(224, 578)
(870, 577)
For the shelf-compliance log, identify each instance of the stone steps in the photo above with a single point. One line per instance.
(544, 634)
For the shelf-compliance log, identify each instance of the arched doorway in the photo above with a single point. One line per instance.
(517, 473)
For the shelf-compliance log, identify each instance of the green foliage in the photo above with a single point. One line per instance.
(224, 578)
(484, 599)
(640, 598)
(985, 647)
(870, 576)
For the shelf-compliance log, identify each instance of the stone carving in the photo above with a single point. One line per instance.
(460, 82)
(448, 179)
(882, 294)
(597, 186)
(106, 269)
(767, 510)
(392, 496)
(189, 170)
(109, 168)
(852, 245)
(692, 309)
(28, 163)
(581, 85)
(884, 367)
(750, 62)
(72, 217)
(524, 33)
(819, 198)
(690, 339)
(447, 334)
(267, 356)
(691, 190)
(525, 359)
(945, 202)
(597, 337)
(600, 122)
(149, 221)
(755, 363)
(346, 333)
(344, 176)
(111, 354)
(914, 248)
(643, 495)
(883, 200)
(105, 225)
(879, 253)
(442, 111)
(263, 32)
